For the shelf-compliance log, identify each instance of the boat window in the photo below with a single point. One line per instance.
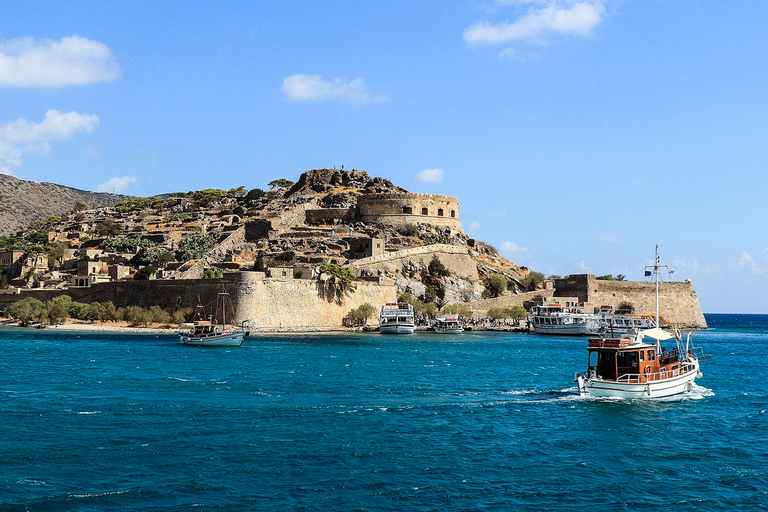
(642, 355)
(626, 363)
(606, 365)
(651, 355)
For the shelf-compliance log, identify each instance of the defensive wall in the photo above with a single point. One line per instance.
(455, 258)
(267, 304)
(481, 307)
(678, 303)
(407, 208)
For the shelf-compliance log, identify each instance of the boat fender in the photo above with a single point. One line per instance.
(647, 368)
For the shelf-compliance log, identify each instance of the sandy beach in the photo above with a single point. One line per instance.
(117, 327)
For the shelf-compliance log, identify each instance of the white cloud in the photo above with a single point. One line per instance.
(692, 266)
(474, 226)
(537, 22)
(118, 185)
(582, 266)
(430, 175)
(499, 213)
(748, 262)
(20, 136)
(609, 240)
(302, 87)
(512, 248)
(554, 17)
(47, 63)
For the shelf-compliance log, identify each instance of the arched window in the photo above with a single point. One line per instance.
(408, 210)
(425, 211)
(453, 213)
(439, 212)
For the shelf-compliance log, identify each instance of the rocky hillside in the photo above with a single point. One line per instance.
(298, 226)
(24, 202)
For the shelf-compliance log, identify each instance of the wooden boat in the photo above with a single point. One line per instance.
(211, 333)
(636, 365)
(397, 318)
(631, 367)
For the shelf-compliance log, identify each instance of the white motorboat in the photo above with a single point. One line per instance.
(212, 333)
(617, 323)
(637, 366)
(448, 324)
(552, 317)
(397, 318)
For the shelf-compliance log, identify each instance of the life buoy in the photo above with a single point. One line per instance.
(677, 333)
(647, 369)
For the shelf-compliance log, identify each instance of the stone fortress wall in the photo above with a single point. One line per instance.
(455, 258)
(294, 305)
(407, 208)
(678, 304)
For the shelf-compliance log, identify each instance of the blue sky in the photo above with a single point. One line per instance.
(577, 134)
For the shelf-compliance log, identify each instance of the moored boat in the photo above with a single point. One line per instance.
(552, 317)
(212, 332)
(397, 318)
(617, 323)
(448, 324)
(637, 365)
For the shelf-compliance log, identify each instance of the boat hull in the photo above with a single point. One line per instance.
(658, 388)
(449, 331)
(220, 340)
(397, 329)
(565, 329)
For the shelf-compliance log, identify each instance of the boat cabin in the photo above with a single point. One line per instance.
(620, 359)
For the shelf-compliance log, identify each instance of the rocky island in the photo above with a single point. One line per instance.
(299, 257)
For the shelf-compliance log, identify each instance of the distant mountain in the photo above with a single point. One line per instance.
(24, 202)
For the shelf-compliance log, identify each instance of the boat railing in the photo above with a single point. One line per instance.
(642, 378)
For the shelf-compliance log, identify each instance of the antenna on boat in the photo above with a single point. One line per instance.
(656, 266)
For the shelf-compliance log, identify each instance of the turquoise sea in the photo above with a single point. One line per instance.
(479, 421)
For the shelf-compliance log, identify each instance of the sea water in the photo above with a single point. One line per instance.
(427, 422)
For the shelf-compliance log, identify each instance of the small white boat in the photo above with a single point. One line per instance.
(620, 324)
(569, 319)
(397, 318)
(210, 333)
(631, 367)
(448, 324)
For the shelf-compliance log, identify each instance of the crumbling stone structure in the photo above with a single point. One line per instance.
(406, 208)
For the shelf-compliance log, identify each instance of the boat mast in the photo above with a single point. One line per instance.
(656, 268)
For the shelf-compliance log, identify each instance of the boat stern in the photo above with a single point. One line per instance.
(581, 382)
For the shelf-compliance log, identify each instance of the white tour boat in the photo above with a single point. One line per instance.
(448, 324)
(397, 318)
(211, 333)
(637, 366)
(617, 323)
(555, 318)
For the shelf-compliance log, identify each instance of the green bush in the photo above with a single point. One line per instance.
(145, 273)
(497, 284)
(437, 269)
(409, 230)
(533, 280)
(194, 246)
(27, 310)
(213, 273)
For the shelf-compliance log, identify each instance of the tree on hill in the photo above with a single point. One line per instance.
(282, 183)
(497, 284)
(533, 280)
